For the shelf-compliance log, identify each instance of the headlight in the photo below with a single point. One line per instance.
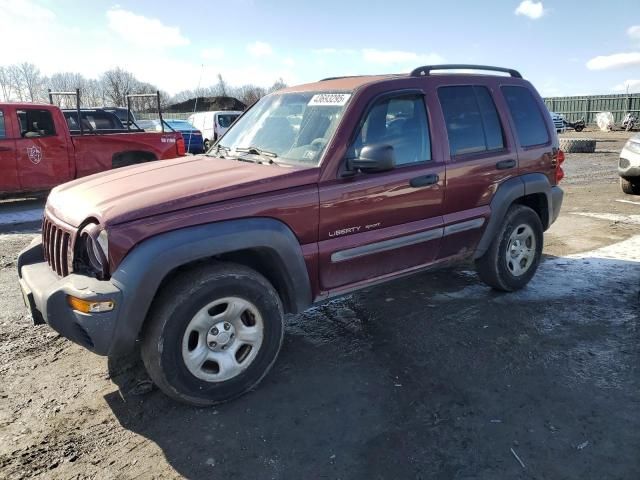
(632, 146)
(103, 241)
(94, 249)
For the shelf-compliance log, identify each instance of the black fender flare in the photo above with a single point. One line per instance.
(142, 271)
(509, 192)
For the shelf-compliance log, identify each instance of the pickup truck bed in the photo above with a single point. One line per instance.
(38, 152)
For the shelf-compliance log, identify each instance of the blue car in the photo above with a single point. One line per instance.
(193, 142)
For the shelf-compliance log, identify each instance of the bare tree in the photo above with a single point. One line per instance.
(68, 82)
(277, 85)
(17, 83)
(93, 93)
(250, 94)
(117, 83)
(31, 80)
(6, 85)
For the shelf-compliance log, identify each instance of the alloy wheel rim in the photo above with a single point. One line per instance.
(521, 250)
(222, 339)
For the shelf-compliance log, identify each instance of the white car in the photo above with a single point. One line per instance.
(629, 166)
(213, 124)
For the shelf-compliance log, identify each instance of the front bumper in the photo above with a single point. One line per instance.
(45, 294)
(629, 163)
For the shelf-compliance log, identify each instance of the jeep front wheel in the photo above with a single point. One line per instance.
(513, 257)
(213, 334)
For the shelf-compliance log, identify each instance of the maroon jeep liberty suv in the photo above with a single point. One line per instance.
(315, 191)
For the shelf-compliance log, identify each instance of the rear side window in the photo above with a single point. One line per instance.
(3, 131)
(526, 115)
(35, 123)
(473, 125)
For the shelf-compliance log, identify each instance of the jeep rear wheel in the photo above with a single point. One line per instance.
(513, 257)
(213, 335)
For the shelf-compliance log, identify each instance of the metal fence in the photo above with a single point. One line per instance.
(166, 115)
(575, 108)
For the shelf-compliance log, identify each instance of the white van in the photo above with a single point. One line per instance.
(213, 124)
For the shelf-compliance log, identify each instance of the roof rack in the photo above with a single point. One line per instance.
(358, 76)
(426, 70)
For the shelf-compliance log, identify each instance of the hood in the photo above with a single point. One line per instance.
(139, 191)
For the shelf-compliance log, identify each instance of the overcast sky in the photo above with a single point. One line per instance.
(564, 47)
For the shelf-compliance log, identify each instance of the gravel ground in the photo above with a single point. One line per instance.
(429, 377)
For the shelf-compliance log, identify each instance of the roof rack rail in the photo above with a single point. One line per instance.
(358, 76)
(426, 70)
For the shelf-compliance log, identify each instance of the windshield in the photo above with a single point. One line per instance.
(296, 127)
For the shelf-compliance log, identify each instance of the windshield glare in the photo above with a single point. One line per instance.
(294, 126)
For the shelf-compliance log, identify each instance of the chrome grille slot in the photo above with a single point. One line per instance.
(57, 246)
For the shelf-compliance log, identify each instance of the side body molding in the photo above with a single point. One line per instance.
(143, 269)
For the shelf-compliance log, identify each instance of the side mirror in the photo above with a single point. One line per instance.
(374, 158)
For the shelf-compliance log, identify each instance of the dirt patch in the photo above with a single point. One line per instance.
(435, 376)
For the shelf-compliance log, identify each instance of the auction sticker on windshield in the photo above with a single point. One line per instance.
(329, 100)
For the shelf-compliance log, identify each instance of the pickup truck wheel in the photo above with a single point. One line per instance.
(629, 187)
(513, 257)
(213, 335)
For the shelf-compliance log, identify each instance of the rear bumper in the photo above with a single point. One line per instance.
(45, 294)
(557, 195)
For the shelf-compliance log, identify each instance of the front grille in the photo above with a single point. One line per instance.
(58, 247)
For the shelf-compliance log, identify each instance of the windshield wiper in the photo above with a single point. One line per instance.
(264, 154)
(215, 151)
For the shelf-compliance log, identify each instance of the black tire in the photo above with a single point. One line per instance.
(630, 187)
(169, 317)
(579, 128)
(493, 267)
(207, 145)
(577, 145)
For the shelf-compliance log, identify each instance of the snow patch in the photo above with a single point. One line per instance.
(613, 217)
(587, 276)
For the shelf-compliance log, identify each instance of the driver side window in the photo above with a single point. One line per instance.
(400, 122)
(35, 123)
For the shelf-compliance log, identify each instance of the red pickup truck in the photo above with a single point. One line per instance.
(38, 152)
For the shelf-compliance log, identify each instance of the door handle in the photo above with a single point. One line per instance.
(505, 164)
(424, 181)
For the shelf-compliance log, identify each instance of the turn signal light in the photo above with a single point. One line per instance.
(90, 306)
